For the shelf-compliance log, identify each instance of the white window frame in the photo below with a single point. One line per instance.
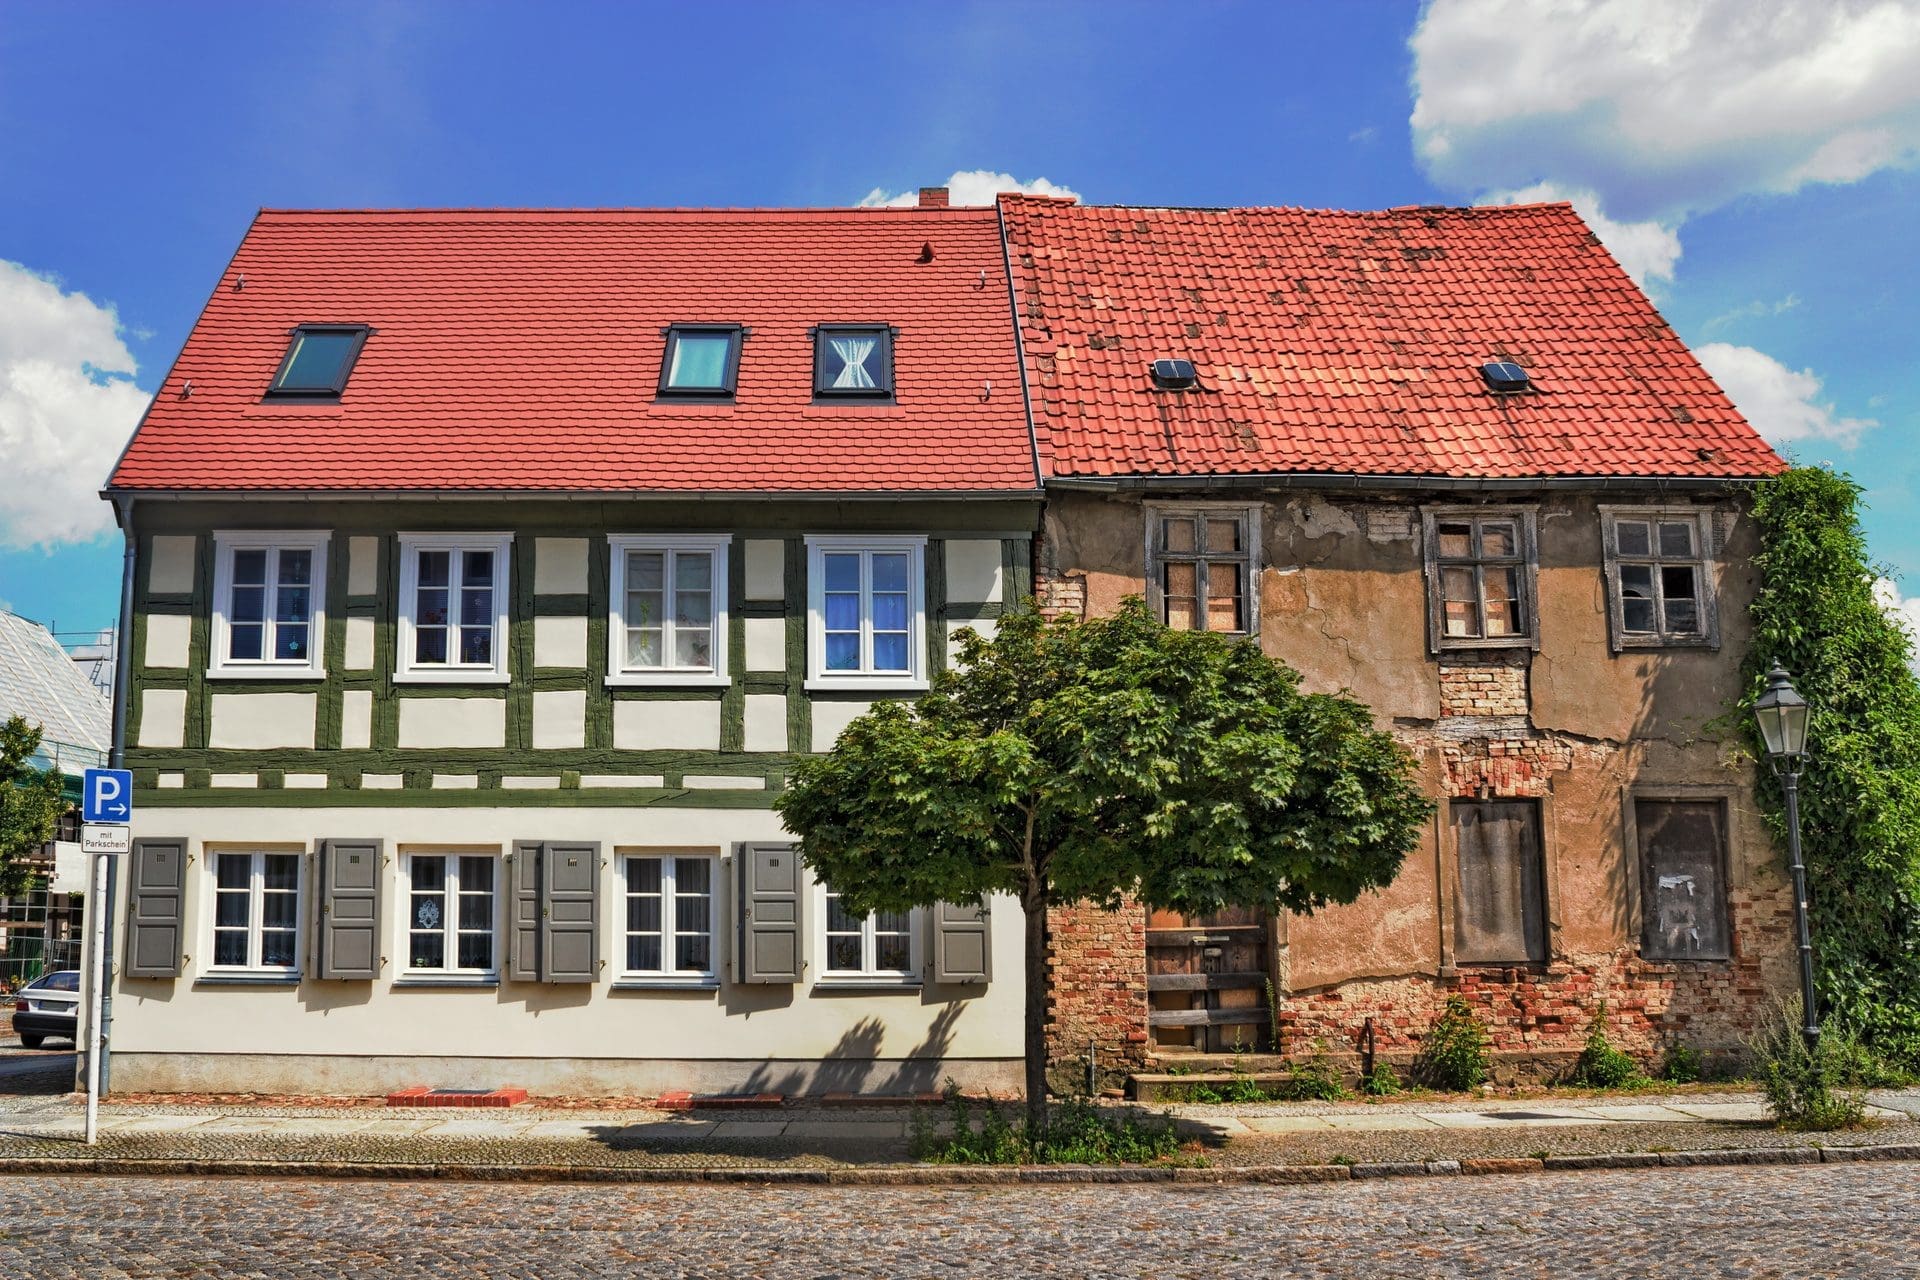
(867, 975)
(1702, 561)
(618, 672)
(406, 670)
(670, 976)
(1248, 515)
(226, 542)
(915, 548)
(256, 909)
(449, 925)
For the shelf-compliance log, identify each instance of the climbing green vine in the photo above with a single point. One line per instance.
(1815, 613)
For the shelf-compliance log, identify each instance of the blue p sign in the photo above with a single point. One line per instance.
(106, 795)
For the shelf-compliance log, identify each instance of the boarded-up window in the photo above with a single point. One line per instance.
(1683, 890)
(1499, 914)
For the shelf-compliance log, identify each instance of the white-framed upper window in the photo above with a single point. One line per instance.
(668, 932)
(669, 609)
(452, 923)
(1201, 563)
(453, 607)
(269, 604)
(1660, 576)
(256, 911)
(866, 612)
(883, 946)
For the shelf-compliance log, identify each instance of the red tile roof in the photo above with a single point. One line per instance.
(520, 350)
(1331, 342)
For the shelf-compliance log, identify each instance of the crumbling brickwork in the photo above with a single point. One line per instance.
(1099, 992)
(1483, 687)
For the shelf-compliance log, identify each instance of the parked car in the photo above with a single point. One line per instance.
(48, 1006)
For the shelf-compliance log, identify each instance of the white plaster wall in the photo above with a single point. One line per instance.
(667, 724)
(356, 719)
(532, 1020)
(829, 718)
(766, 722)
(171, 569)
(559, 718)
(559, 566)
(359, 655)
(163, 717)
(766, 644)
(560, 642)
(986, 627)
(766, 570)
(254, 721)
(169, 636)
(973, 570)
(453, 722)
(363, 566)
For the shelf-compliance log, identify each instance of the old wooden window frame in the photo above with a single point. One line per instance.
(1630, 798)
(669, 974)
(1527, 560)
(1158, 557)
(1702, 562)
(256, 894)
(227, 544)
(672, 546)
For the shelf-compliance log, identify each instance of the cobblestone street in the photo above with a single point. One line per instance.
(1852, 1221)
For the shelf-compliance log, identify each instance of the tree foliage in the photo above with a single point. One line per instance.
(1094, 761)
(31, 802)
(1815, 614)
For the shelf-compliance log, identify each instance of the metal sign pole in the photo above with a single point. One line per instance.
(96, 996)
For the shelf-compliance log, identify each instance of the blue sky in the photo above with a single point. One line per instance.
(1753, 161)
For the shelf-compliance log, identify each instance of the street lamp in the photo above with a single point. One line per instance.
(1782, 714)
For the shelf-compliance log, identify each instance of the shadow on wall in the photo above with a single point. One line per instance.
(854, 1065)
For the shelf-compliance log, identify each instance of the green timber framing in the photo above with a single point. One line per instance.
(939, 518)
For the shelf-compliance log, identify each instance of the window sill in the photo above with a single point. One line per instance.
(455, 676)
(1627, 644)
(855, 982)
(667, 984)
(859, 684)
(264, 673)
(1455, 644)
(472, 980)
(667, 680)
(239, 978)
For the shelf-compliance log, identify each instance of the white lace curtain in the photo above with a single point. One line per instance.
(853, 352)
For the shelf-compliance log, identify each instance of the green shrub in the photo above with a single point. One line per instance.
(1380, 1082)
(1455, 1054)
(1601, 1066)
(1682, 1065)
(1076, 1133)
(1807, 1090)
(1313, 1081)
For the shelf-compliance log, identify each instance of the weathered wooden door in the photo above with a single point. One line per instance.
(1207, 981)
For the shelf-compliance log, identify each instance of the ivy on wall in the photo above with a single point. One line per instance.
(1815, 614)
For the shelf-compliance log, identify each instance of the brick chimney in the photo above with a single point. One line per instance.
(933, 197)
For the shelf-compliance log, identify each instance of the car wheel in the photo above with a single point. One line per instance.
(31, 1042)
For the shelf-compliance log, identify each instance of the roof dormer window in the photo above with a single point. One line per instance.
(853, 360)
(701, 360)
(319, 359)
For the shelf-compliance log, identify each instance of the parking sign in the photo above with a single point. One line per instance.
(106, 795)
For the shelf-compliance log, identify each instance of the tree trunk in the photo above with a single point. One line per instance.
(1038, 959)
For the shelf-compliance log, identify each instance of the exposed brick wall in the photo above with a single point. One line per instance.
(1483, 687)
(1099, 992)
(1060, 595)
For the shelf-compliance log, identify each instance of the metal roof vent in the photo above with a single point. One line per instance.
(1504, 375)
(1174, 375)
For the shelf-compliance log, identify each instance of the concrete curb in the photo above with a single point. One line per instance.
(948, 1175)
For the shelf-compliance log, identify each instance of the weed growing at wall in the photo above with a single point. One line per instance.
(1807, 1090)
(1455, 1054)
(1380, 1082)
(1682, 1065)
(1601, 1065)
(1075, 1133)
(1815, 613)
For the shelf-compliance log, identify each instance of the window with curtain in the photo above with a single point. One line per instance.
(669, 609)
(853, 360)
(269, 594)
(453, 607)
(670, 917)
(256, 911)
(866, 612)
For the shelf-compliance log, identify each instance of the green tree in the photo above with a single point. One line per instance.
(31, 802)
(1093, 761)
(1815, 613)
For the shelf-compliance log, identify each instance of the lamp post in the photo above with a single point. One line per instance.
(1782, 714)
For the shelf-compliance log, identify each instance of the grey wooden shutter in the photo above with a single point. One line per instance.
(350, 877)
(962, 943)
(570, 913)
(153, 907)
(771, 889)
(523, 914)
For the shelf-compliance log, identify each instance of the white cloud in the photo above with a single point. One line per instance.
(970, 186)
(1902, 609)
(1665, 108)
(1758, 309)
(1647, 250)
(67, 405)
(1782, 404)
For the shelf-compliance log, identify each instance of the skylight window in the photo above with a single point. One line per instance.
(853, 360)
(701, 360)
(1174, 375)
(319, 359)
(1504, 375)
